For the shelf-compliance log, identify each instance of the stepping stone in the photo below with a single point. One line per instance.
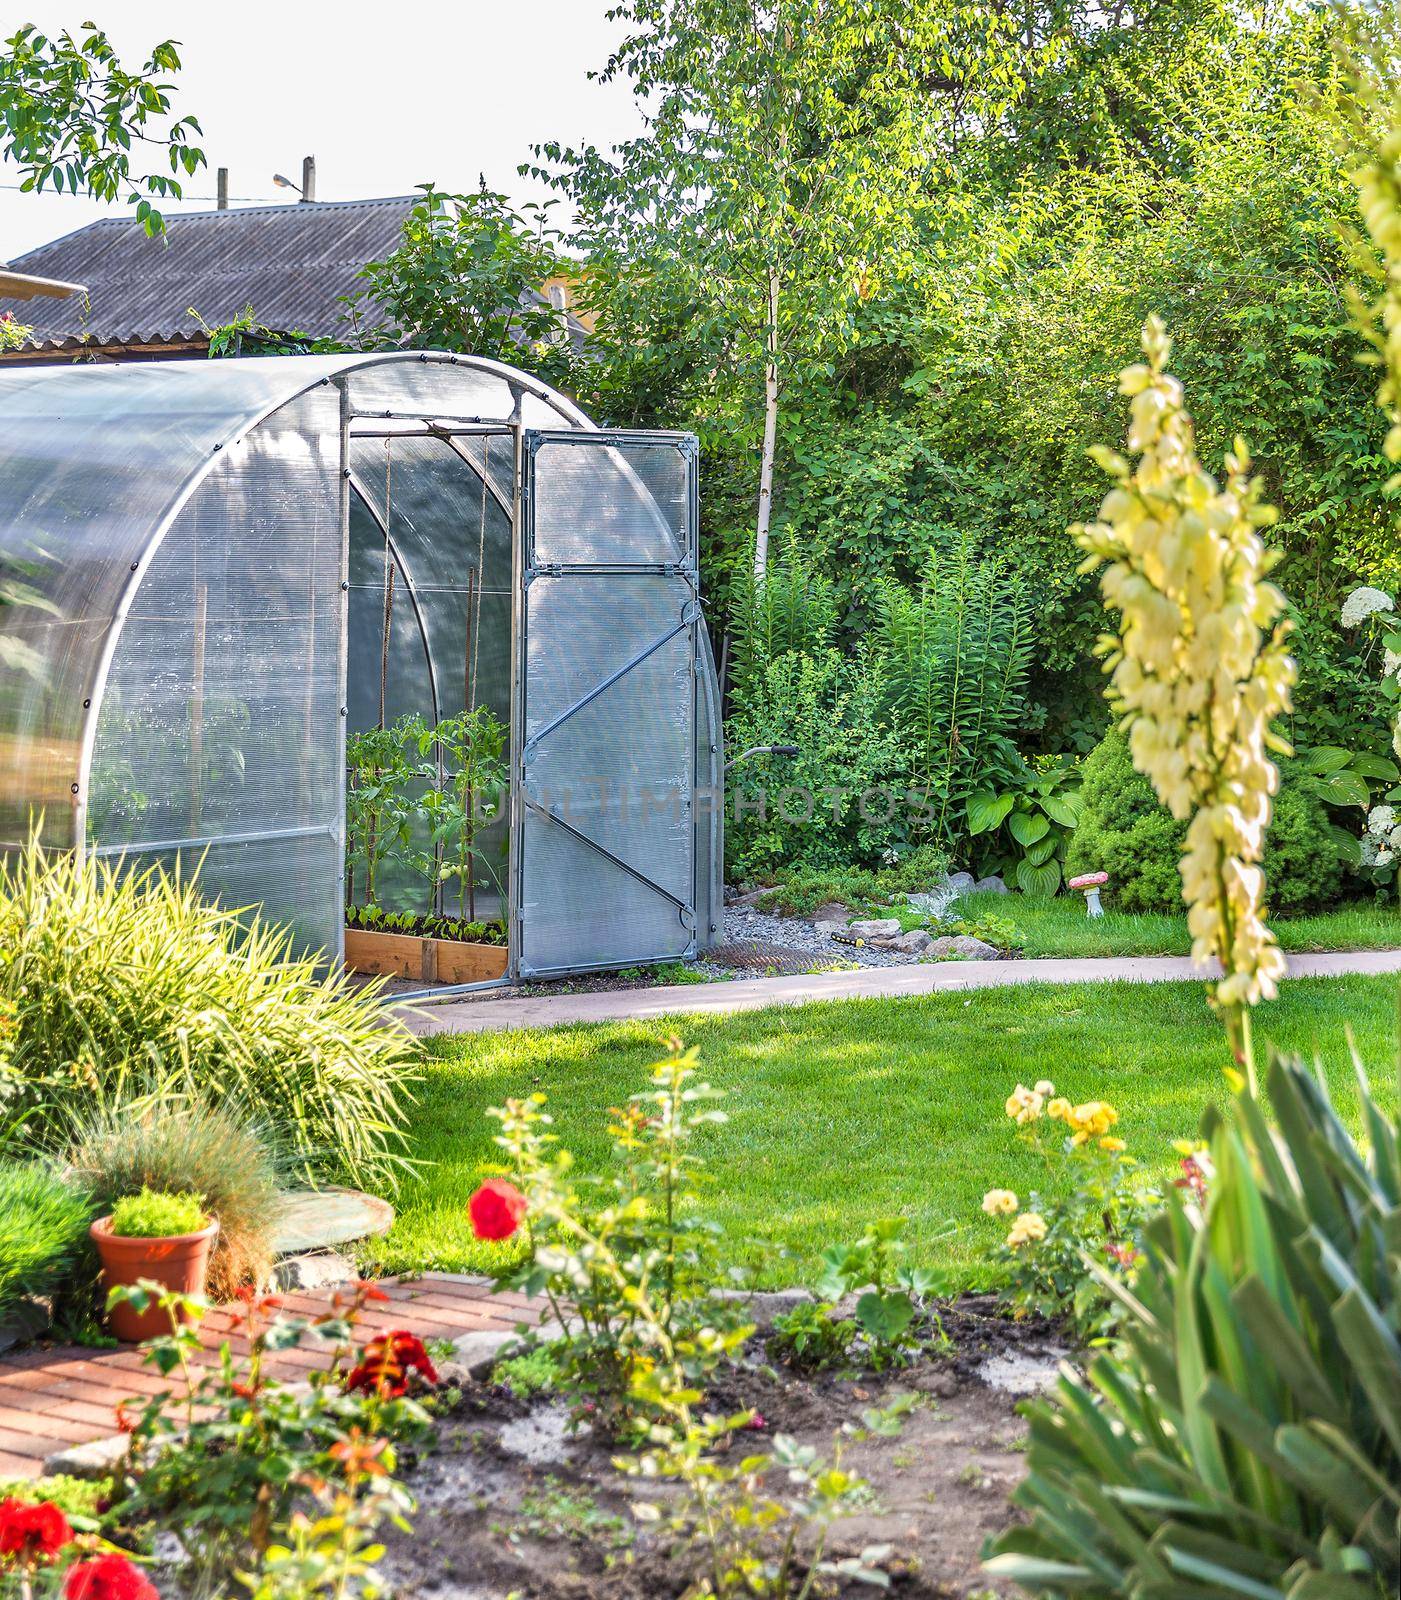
(317, 1219)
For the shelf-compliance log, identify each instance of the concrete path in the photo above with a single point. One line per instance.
(749, 994)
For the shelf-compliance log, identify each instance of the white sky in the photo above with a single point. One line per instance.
(385, 98)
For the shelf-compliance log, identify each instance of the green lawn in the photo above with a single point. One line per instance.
(1060, 927)
(849, 1111)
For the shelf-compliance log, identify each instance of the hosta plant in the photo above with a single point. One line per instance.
(1023, 817)
(1246, 1440)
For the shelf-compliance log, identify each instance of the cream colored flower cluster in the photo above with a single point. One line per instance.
(1199, 666)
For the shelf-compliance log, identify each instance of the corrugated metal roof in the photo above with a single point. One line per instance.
(290, 263)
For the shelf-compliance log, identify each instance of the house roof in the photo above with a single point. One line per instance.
(290, 263)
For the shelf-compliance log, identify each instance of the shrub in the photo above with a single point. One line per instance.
(1125, 832)
(1097, 1214)
(153, 1214)
(197, 1146)
(118, 978)
(1247, 1440)
(842, 798)
(799, 891)
(43, 1229)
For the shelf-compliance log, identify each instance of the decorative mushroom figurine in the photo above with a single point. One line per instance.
(1090, 882)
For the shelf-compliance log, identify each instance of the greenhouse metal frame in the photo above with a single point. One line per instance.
(221, 566)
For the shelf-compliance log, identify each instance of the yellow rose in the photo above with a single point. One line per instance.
(1024, 1105)
(1045, 1088)
(1027, 1228)
(1112, 1144)
(999, 1202)
(1059, 1109)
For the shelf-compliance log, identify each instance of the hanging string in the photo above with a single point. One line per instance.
(481, 574)
(388, 581)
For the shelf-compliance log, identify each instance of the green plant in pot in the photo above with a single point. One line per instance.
(153, 1237)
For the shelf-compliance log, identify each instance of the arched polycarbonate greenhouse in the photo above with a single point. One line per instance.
(226, 566)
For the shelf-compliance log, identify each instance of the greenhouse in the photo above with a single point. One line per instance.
(223, 575)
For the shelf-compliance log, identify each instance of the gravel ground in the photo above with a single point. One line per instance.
(743, 923)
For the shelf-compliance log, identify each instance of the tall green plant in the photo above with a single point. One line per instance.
(117, 978)
(464, 791)
(793, 609)
(377, 803)
(954, 657)
(1249, 1440)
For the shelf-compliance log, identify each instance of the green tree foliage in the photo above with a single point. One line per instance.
(467, 277)
(733, 245)
(1179, 158)
(71, 113)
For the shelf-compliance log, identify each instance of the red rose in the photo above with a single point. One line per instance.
(497, 1209)
(30, 1533)
(386, 1363)
(110, 1577)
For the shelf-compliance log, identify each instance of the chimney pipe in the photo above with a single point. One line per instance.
(223, 189)
(308, 178)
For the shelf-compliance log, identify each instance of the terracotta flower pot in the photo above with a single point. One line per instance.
(179, 1262)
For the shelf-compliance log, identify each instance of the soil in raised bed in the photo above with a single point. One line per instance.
(512, 1503)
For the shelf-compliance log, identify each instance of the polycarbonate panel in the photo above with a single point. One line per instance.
(288, 881)
(608, 721)
(579, 911)
(601, 504)
(222, 711)
(431, 389)
(710, 796)
(618, 769)
(92, 458)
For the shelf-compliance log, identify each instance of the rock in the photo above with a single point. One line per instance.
(876, 928)
(762, 1307)
(913, 943)
(963, 945)
(829, 929)
(319, 1270)
(96, 1459)
(832, 911)
(959, 882)
(29, 1320)
(992, 885)
(477, 1353)
(933, 904)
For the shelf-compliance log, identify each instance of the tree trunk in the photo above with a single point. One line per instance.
(761, 529)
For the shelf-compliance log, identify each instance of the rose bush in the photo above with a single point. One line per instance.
(1093, 1217)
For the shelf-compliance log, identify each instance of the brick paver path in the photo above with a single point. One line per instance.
(62, 1395)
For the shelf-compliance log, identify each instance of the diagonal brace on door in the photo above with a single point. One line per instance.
(688, 617)
(683, 906)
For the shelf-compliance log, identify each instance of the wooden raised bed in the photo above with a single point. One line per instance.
(406, 955)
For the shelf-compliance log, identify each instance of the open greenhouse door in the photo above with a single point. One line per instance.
(610, 625)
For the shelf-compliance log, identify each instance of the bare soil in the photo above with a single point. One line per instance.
(511, 1503)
